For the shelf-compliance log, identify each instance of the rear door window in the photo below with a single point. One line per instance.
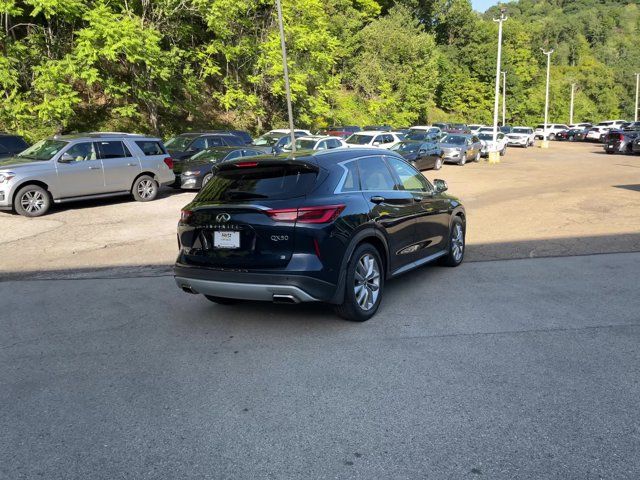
(233, 155)
(262, 182)
(112, 149)
(150, 148)
(375, 175)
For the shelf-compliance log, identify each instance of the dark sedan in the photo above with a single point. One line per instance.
(196, 171)
(572, 135)
(422, 155)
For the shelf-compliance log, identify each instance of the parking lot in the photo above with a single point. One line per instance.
(510, 366)
(571, 199)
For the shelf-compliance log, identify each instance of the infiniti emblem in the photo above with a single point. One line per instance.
(223, 217)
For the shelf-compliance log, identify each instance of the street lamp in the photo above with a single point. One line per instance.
(494, 156)
(635, 112)
(573, 92)
(545, 141)
(286, 76)
(504, 98)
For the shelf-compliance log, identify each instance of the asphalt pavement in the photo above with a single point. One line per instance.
(506, 369)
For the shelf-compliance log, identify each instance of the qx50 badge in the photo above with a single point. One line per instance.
(223, 217)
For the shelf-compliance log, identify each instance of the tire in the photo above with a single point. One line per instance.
(552, 136)
(455, 256)
(144, 189)
(572, 139)
(503, 151)
(206, 179)
(364, 285)
(463, 159)
(222, 300)
(438, 164)
(32, 201)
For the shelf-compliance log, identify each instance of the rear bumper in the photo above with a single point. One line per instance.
(247, 285)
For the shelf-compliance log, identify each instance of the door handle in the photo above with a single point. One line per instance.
(377, 199)
(131, 165)
(95, 168)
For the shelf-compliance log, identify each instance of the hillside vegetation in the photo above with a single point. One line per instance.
(165, 66)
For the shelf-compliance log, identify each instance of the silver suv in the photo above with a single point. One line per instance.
(78, 167)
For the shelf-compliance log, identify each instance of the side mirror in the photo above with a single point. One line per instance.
(66, 158)
(376, 144)
(440, 185)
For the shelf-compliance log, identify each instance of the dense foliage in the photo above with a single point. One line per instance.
(170, 65)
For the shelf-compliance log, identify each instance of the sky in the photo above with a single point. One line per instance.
(482, 5)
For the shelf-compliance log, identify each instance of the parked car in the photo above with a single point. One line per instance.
(329, 226)
(442, 126)
(186, 145)
(78, 167)
(572, 135)
(618, 141)
(596, 134)
(342, 132)
(422, 155)
(635, 147)
(372, 138)
(422, 129)
(475, 128)
(378, 128)
(316, 142)
(632, 126)
(552, 130)
(275, 140)
(581, 126)
(423, 136)
(11, 145)
(197, 170)
(505, 129)
(521, 137)
(457, 128)
(460, 148)
(488, 146)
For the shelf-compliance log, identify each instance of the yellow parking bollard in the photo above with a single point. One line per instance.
(494, 157)
(544, 144)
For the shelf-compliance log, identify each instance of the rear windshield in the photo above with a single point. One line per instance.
(272, 182)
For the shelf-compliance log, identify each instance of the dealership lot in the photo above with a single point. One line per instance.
(570, 199)
(506, 367)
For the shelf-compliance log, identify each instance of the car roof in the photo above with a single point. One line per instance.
(328, 156)
(96, 135)
(372, 132)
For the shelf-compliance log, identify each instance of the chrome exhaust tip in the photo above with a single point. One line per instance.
(188, 289)
(287, 299)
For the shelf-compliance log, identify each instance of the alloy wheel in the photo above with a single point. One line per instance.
(367, 282)
(457, 242)
(32, 201)
(146, 188)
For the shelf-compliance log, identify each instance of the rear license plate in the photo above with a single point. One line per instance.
(226, 239)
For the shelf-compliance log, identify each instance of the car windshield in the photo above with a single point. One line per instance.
(303, 144)
(43, 150)
(268, 139)
(406, 147)
(520, 130)
(485, 136)
(357, 139)
(416, 135)
(209, 156)
(454, 139)
(181, 142)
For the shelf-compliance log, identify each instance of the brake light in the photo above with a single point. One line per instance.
(320, 214)
(246, 164)
(185, 215)
(169, 162)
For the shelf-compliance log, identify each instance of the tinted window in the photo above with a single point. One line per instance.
(113, 149)
(274, 182)
(454, 139)
(231, 140)
(374, 174)
(3, 150)
(200, 144)
(15, 144)
(233, 155)
(410, 178)
(150, 148)
(358, 139)
(351, 179)
(251, 153)
(81, 152)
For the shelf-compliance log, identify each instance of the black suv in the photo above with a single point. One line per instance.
(329, 226)
(11, 145)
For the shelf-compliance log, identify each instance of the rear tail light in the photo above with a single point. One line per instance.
(320, 214)
(185, 215)
(169, 162)
(246, 164)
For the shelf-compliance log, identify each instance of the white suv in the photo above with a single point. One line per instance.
(373, 138)
(552, 130)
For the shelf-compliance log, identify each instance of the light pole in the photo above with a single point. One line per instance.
(504, 98)
(494, 156)
(635, 112)
(286, 76)
(573, 92)
(545, 142)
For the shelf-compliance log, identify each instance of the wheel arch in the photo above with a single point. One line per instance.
(39, 183)
(146, 172)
